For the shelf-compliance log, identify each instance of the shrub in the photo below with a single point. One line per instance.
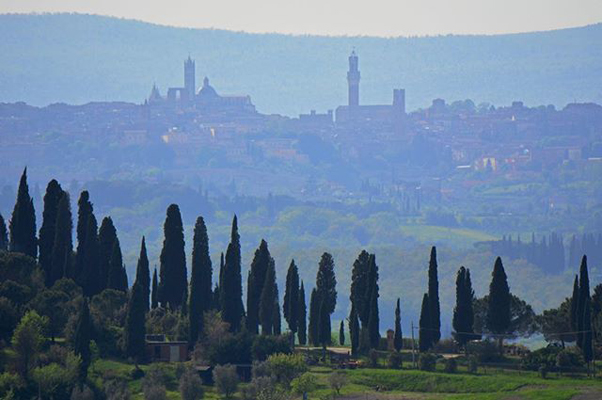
(427, 362)
(450, 366)
(569, 358)
(226, 380)
(337, 380)
(265, 345)
(305, 383)
(286, 367)
(137, 373)
(116, 389)
(485, 350)
(153, 384)
(190, 385)
(473, 365)
(83, 393)
(543, 371)
(395, 360)
(546, 356)
(373, 358)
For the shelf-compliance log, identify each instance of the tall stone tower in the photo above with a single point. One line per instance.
(189, 83)
(353, 80)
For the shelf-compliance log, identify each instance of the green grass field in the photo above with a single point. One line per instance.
(405, 384)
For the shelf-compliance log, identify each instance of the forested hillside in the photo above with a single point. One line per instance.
(82, 58)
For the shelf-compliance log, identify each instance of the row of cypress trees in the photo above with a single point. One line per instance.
(97, 263)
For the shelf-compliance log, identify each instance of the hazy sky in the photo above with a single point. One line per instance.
(339, 17)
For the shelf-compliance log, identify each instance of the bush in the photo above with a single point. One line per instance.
(137, 373)
(153, 384)
(543, 371)
(373, 358)
(116, 389)
(305, 383)
(450, 366)
(485, 351)
(427, 362)
(286, 367)
(226, 380)
(265, 345)
(395, 360)
(190, 385)
(546, 356)
(569, 358)
(337, 380)
(473, 365)
(83, 393)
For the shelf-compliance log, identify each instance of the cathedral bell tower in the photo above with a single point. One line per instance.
(353, 80)
(189, 81)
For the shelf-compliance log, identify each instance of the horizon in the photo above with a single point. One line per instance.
(466, 17)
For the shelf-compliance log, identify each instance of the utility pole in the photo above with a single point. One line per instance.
(413, 347)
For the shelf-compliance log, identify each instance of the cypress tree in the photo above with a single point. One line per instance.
(143, 274)
(342, 333)
(81, 345)
(277, 328)
(498, 311)
(360, 286)
(155, 291)
(22, 226)
(116, 280)
(586, 336)
(433, 292)
(231, 288)
(84, 211)
(3, 234)
(257, 279)
(268, 298)
(461, 324)
(90, 274)
(314, 314)
(398, 338)
(62, 248)
(302, 317)
(425, 341)
(326, 282)
(134, 329)
(53, 196)
(373, 322)
(217, 293)
(291, 297)
(324, 329)
(200, 280)
(354, 331)
(584, 302)
(575, 305)
(173, 283)
(107, 236)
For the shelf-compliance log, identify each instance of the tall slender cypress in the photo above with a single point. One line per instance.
(217, 293)
(326, 282)
(342, 333)
(257, 279)
(360, 287)
(324, 327)
(84, 211)
(291, 297)
(81, 345)
(276, 318)
(463, 318)
(425, 341)
(200, 280)
(433, 292)
(498, 308)
(116, 279)
(3, 234)
(354, 331)
(134, 329)
(90, 274)
(314, 315)
(373, 294)
(62, 247)
(107, 236)
(143, 274)
(575, 305)
(302, 317)
(268, 298)
(584, 302)
(231, 291)
(173, 283)
(22, 226)
(398, 337)
(53, 196)
(155, 291)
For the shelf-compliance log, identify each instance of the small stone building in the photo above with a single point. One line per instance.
(159, 349)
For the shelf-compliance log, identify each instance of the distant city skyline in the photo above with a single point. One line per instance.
(339, 17)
